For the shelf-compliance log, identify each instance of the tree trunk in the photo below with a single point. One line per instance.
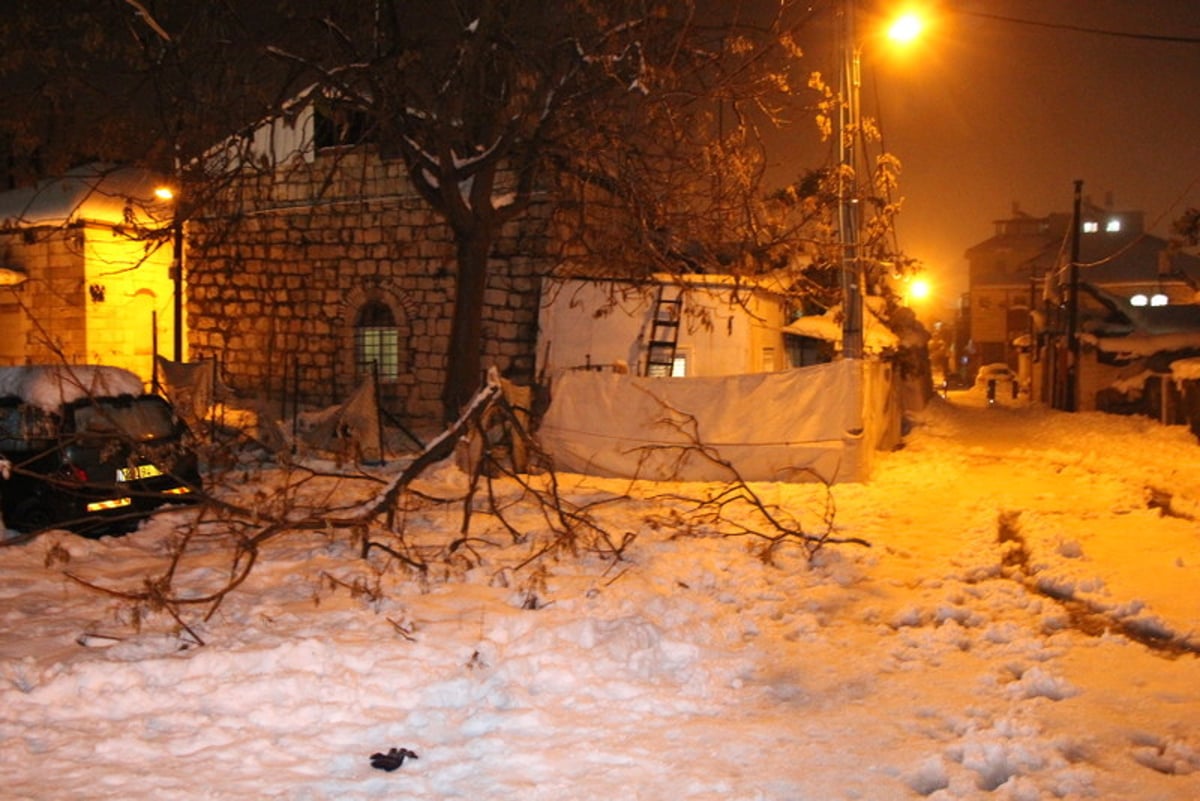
(464, 361)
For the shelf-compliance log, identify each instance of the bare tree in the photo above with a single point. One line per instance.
(617, 114)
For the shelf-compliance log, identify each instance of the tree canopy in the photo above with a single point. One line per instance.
(639, 122)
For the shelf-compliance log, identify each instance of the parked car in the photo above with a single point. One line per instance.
(997, 379)
(89, 450)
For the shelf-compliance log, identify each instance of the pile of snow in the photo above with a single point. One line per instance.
(1014, 632)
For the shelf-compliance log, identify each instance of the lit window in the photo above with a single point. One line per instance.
(1139, 300)
(679, 365)
(1113, 225)
(1091, 227)
(1159, 300)
(376, 341)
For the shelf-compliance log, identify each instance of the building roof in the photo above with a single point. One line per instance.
(1133, 258)
(1126, 318)
(1026, 246)
(93, 193)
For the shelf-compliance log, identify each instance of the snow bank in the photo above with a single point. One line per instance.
(697, 668)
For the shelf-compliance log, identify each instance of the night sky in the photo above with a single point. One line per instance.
(984, 113)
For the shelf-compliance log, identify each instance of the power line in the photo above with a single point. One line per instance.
(1152, 37)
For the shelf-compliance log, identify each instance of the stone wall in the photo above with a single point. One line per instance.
(55, 294)
(92, 297)
(278, 271)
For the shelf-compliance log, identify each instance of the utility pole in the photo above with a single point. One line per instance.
(1071, 401)
(848, 132)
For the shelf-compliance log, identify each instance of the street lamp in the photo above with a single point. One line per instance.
(853, 281)
(918, 291)
(167, 194)
(906, 27)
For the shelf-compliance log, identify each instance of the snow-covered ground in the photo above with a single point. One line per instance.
(1014, 632)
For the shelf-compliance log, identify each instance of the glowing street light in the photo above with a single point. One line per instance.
(906, 27)
(919, 290)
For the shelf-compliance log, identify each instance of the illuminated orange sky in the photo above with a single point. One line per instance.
(984, 113)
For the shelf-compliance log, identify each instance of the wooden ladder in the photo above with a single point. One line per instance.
(664, 332)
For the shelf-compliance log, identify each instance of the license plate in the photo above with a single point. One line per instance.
(136, 473)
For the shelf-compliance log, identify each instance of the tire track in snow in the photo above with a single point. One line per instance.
(1085, 617)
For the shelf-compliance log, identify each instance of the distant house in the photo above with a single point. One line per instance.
(1010, 273)
(1132, 355)
(85, 270)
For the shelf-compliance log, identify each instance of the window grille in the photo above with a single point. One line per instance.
(377, 341)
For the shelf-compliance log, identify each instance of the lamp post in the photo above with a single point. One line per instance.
(166, 193)
(177, 277)
(904, 29)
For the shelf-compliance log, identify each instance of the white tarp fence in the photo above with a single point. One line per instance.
(809, 423)
(352, 429)
(192, 387)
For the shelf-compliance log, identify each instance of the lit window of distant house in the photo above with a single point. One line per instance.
(376, 341)
(1113, 225)
(1159, 300)
(1090, 226)
(1139, 300)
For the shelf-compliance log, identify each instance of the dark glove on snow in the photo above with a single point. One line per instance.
(393, 759)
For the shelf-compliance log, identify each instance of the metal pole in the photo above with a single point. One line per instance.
(848, 131)
(1071, 402)
(154, 384)
(177, 278)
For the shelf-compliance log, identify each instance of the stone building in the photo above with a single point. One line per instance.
(85, 271)
(329, 266)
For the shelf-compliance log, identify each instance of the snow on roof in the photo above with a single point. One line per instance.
(1186, 369)
(1139, 345)
(779, 280)
(828, 326)
(95, 193)
(52, 386)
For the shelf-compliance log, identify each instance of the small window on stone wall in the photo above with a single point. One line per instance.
(340, 126)
(377, 341)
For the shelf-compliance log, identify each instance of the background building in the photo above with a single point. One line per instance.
(1024, 266)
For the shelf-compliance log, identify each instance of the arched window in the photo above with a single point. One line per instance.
(377, 341)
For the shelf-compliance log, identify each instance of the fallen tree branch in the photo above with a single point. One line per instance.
(781, 527)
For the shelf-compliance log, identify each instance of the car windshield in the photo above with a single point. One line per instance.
(139, 418)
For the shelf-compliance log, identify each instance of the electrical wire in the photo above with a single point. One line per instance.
(1151, 37)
